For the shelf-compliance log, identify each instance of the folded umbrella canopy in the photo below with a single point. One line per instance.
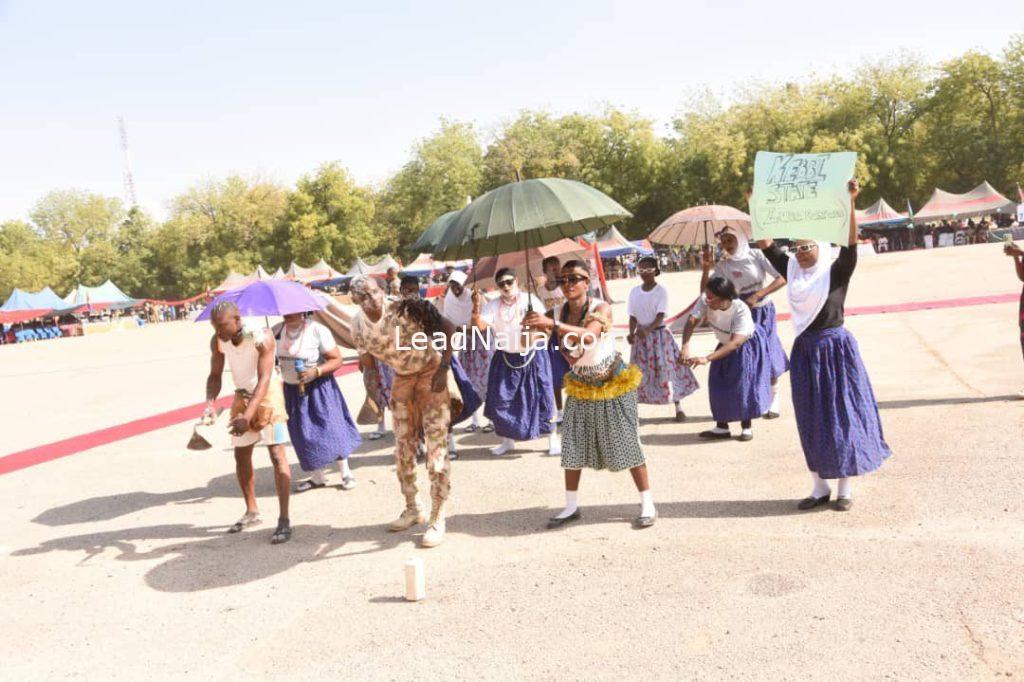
(271, 297)
(699, 225)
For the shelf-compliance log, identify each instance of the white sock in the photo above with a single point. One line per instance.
(719, 429)
(679, 406)
(451, 442)
(317, 477)
(821, 487)
(505, 445)
(646, 504)
(476, 418)
(554, 443)
(343, 467)
(558, 416)
(570, 504)
(845, 489)
(747, 432)
(381, 428)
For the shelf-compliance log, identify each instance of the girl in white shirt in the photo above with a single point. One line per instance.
(739, 376)
(666, 378)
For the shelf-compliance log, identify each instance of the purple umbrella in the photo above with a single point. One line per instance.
(269, 297)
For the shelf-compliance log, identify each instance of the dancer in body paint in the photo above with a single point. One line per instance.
(834, 404)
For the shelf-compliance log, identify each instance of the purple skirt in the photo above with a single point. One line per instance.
(740, 384)
(765, 319)
(520, 399)
(835, 408)
(471, 400)
(320, 426)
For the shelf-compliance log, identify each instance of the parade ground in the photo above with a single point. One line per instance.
(116, 564)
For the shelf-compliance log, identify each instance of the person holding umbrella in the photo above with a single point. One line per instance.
(420, 396)
(747, 270)
(520, 399)
(257, 413)
(600, 423)
(322, 430)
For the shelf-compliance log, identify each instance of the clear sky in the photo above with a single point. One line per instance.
(273, 89)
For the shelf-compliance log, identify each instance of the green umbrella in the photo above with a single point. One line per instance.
(432, 235)
(523, 215)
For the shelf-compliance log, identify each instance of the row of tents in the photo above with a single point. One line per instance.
(24, 305)
(983, 200)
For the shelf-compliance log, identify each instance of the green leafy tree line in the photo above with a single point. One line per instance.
(915, 127)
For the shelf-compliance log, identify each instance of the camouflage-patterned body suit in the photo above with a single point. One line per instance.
(414, 406)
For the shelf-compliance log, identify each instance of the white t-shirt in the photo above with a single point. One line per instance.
(646, 305)
(308, 345)
(550, 298)
(736, 319)
(506, 322)
(747, 275)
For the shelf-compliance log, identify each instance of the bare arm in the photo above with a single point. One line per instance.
(734, 342)
(213, 380)
(774, 286)
(854, 187)
(332, 361)
(691, 324)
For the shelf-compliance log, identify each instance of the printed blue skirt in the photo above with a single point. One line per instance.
(740, 384)
(835, 407)
(520, 399)
(765, 319)
(320, 426)
(471, 400)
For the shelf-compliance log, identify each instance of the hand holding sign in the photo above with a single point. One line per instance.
(802, 196)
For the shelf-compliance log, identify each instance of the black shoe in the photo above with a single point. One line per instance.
(680, 416)
(843, 504)
(558, 523)
(812, 502)
(770, 415)
(745, 437)
(714, 435)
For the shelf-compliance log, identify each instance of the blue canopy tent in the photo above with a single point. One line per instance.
(25, 300)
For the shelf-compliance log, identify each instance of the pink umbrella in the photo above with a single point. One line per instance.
(699, 225)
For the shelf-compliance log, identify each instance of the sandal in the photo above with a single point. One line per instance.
(374, 435)
(283, 532)
(488, 428)
(248, 519)
(472, 428)
(308, 484)
(348, 482)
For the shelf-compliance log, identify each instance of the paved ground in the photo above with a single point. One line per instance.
(115, 563)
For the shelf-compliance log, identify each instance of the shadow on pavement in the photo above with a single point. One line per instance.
(205, 557)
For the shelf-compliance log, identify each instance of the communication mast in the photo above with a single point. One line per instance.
(129, 181)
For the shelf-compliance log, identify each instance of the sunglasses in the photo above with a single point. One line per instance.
(647, 268)
(805, 248)
(506, 283)
(573, 279)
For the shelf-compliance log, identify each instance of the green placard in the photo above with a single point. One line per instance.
(802, 196)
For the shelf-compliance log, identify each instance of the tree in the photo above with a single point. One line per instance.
(329, 216)
(445, 170)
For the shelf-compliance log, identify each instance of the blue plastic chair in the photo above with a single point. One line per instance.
(57, 333)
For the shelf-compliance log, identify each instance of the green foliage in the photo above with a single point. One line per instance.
(914, 127)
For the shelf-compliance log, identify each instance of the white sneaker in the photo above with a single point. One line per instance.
(554, 445)
(504, 447)
(434, 535)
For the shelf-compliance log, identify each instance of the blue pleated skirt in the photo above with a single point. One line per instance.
(520, 399)
(765, 319)
(835, 408)
(471, 400)
(740, 384)
(319, 423)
